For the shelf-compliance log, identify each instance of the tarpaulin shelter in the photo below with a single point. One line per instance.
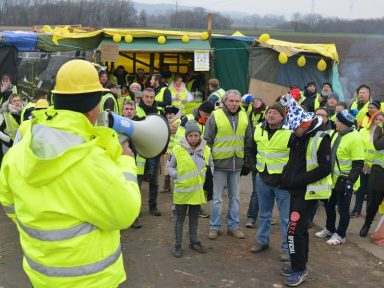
(239, 62)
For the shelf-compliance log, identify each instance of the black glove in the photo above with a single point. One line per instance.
(348, 190)
(245, 171)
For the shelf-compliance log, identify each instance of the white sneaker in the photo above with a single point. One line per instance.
(323, 233)
(336, 240)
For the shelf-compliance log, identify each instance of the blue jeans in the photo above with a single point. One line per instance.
(253, 209)
(267, 195)
(232, 180)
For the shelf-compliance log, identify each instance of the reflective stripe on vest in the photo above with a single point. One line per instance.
(189, 178)
(75, 270)
(57, 234)
(320, 189)
(11, 125)
(228, 142)
(130, 177)
(272, 154)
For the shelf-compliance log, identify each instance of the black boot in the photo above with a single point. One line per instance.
(154, 211)
(364, 230)
(177, 252)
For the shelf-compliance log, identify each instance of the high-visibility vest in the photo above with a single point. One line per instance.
(62, 247)
(256, 118)
(141, 113)
(160, 95)
(172, 138)
(369, 148)
(322, 188)
(271, 153)
(180, 133)
(189, 182)
(362, 112)
(105, 98)
(351, 148)
(219, 93)
(379, 158)
(11, 125)
(247, 109)
(182, 96)
(228, 142)
(26, 107)
(140, 164)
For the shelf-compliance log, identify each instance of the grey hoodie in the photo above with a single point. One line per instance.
(234, 163)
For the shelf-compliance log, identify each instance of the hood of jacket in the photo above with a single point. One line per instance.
(55, 141)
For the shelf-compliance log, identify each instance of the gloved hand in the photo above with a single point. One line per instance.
(348, 190)
(245, 171)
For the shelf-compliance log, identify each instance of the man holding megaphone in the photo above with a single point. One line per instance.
(70, 213)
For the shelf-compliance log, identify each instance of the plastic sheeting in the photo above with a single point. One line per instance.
(8, 64)
(22, 41)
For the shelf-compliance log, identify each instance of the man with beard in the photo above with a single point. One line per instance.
(310, 94)
(321, 99)
(149, 168)
(10, 121)
(163, 95)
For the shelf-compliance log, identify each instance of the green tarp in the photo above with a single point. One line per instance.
(231, 63)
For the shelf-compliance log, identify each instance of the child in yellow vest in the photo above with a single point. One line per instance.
(187, 166)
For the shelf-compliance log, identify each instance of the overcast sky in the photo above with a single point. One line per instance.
(347, 9)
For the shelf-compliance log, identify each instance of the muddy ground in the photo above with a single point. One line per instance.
(228, 263)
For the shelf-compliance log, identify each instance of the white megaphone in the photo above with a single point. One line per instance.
(149, 136)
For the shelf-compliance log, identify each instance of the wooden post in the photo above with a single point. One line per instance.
(209, 26)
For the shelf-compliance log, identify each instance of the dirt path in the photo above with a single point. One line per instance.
(228, 263)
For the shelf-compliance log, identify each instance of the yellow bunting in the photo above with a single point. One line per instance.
(204, 35)
(185, 38)
(116, 38)
(283, 58)
(264, 37)
(128, 38)
(321, 65)
(301, 61)
(161, 40)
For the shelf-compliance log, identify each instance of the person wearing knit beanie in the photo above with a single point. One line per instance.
(191, 126)
(278, 107)
(375, 103)
(347, 117)
(207, 107)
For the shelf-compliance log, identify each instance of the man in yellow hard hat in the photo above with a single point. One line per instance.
(69, 215)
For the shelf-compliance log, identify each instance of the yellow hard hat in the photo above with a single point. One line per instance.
(77, 77)
(42, 104)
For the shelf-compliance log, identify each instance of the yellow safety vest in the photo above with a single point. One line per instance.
(271, 153)
(66, 244)
(190, 84)
(369, 148)
(182, 95)
(189, 182)
(160, 95)
(322, 188)
(257, 118)
(362, 112)
(379, 157)
(248, 109)
(227, 142)
(140, 164)
(11, 125)
(172, 138)
(180, 133)
(105, 98)
(351, 148)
